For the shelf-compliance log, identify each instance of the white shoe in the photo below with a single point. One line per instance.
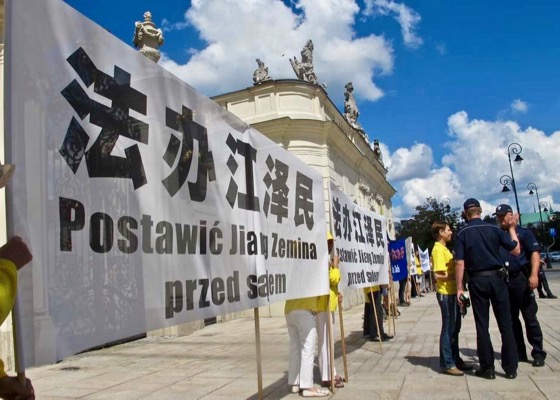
(295, 389)
(315, 392)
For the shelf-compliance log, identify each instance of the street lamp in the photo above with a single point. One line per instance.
(505, 180)
(533, 189)
(514, 148)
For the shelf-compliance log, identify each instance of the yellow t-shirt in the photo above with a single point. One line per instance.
(418, 267)
(323, 301)
(307, 303)
(443, 262)
(8, 285)
(370, 289)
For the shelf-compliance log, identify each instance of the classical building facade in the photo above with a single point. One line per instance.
(300, 117)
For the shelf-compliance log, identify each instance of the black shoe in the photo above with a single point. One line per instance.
(486, 373)
(551, 296)
(385, 337)
(538, 362)
(511, 375)
(463, 366)
(542, 296)
(403, 304)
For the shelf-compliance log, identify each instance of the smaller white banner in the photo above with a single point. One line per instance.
(360, 242)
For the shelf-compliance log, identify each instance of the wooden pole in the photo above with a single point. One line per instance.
(330, 343)
(376, 320)
(18, 343)
(393, 298)
(258, 347)
(389, 306)
(343, 342)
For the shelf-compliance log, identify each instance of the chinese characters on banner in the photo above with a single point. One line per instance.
(360, 241)
(145, 203)
(399, 263)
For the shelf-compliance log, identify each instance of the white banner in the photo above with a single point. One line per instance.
(410, 256)
(360, 241)
(424, 259)
(145, 203)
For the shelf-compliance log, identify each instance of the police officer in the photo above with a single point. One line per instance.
(477, 249)
(523, 279)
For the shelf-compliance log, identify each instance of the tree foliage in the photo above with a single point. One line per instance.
(419, 226)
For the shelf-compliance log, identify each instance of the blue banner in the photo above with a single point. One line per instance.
(397, 255)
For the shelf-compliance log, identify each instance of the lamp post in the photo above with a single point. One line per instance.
(533, 189)
(514, 148)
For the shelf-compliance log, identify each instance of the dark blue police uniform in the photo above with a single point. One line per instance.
(522, 298)
(478, 244)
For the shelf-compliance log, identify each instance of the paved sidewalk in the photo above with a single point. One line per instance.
(219, 362)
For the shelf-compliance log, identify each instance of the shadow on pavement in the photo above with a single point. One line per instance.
(431, 362)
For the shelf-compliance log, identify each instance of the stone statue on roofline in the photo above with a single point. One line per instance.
(377, 151)
(351, 112)
(148, 38)
(261, 73)
(304, 69)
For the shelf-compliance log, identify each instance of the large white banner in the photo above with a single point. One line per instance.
(145, 203)
(360, 242)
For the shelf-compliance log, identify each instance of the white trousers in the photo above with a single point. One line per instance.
(303, 339)
(323, 345)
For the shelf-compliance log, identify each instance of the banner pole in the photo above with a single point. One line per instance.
(389, 305)
(343, 342)
(258, 348)
(18, 348)
(330, 344)
(376, 320)
(392, 299)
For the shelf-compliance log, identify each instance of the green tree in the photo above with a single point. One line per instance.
(419, 226)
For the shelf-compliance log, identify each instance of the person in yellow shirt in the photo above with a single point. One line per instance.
(446, 288)
(302, 329)
(13, 255)
(323, 314)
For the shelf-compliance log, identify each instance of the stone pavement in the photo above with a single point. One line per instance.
(219, 362)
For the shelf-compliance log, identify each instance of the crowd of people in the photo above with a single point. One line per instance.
(495, 265)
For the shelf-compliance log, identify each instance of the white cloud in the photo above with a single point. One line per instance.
(476, 159)
(274, 32)
(519, 105)
(168, 26)
(438, 183)
(405, 164)
(406, 17)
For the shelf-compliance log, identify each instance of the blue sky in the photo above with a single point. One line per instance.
(444, 85)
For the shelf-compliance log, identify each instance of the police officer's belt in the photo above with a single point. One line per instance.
(491, 272)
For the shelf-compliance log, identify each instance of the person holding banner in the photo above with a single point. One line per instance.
(300, 318)
(446, 293)
(324, 303)
(13, 256)
(373, 299)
